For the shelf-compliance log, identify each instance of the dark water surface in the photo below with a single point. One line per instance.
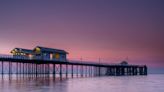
(150, 83)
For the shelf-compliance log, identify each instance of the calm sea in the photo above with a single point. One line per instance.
(150, 83)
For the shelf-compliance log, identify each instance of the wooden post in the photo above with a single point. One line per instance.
(86, 71)
(2, 69)
(23, 68)
(9, 68)
(135, 70)
(17, 68)
(54, 70)
(117, 71)
(77, 71)
(48, 69)
(81, 70)
(128, 71)
(72, 70)
(145, 70)
(36, 71)
(99, 71)
(91, 71)
(60, 71)
(66, 70)
(123, 70)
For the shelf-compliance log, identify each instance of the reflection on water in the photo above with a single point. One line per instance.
(150, 83)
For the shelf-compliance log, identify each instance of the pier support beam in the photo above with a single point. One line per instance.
(72, 71)
(77, 70)
(54, 70)
(81, 70)
(36, 71)
(2, 68)
(17, 68)
(23, 69)
(122, 70)
(10, 68)
(66, 70)
(60, 71)
(99, 71)
(85, 71)
(145, 70)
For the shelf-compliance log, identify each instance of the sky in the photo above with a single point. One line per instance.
(112, 30)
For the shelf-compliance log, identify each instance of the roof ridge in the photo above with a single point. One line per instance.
(50, 48)
(22, 48)
(53, 49)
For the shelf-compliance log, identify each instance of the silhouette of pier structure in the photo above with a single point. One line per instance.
(38, 67)
(20, 64)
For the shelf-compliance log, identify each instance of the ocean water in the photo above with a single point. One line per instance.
(150, 83)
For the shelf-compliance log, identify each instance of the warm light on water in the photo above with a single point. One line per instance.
(150, 83)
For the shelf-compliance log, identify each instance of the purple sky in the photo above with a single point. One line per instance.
(109, 29)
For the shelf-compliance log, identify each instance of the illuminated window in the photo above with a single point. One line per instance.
(15, 50)
(22, 53)
(30, 56)
(51, 56)
(56, 55)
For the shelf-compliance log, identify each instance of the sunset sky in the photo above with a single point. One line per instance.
(108, 29)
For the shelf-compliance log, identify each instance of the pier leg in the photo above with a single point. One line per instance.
(72, 70)
(85, 71)
(10, 67)
(128, 73)
(60, 71)
(54, 70)
(135, 70)
(20, 68)
(66, 70)
(36, 70)
(90, 71)
(140, 70)
(77, 70)
(2, 69)
(81, 70)
(26, 68)
(114, 71)
(145, 70)
(123, 70)
(23, 69)
(10, 70)
(99, 71)
(48, 69)
(32, 70)
(17, 68)
(95, 71)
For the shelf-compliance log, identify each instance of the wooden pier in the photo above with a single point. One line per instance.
(34, 67)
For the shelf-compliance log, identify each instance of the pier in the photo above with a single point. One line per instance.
(43, 61)
(36, 67)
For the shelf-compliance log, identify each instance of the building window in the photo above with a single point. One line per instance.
(56, 56)
(51, 56)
